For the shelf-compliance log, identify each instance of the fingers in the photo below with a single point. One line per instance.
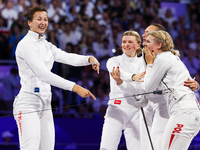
(98, 67)
(138, 77)
(147, 53)
(115, 71)
(145, 49)
(153, 54)
(82, 92)
(92, 96)
(141, 76)
(87, 93)
(192, 84)
(94, 62)
(186, 84)
(188, 81)
(149, 57)
(143, 73)
(95, 66)
(140, 81)
(116, 75)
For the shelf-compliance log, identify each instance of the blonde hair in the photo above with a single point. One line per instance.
(137, 36)
(166, 40)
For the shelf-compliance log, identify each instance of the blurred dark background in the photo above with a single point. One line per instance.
(89, 27)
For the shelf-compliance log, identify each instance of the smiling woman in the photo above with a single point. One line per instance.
(167, 71)
(130, 45)
(121, 111)
(35, 57)
(37, 20)
(153, 47)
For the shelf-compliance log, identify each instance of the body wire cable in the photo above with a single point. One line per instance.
(160, 92)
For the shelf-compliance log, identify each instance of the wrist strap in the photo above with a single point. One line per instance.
(150, 65)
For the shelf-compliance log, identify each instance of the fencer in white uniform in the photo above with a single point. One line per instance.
(166, 72)
(121, 108)
(32, 106)
(156, 113)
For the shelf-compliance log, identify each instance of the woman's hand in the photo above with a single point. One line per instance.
(138, 77)
(82, 92)
(149, 57)
(192, 84)
(116, 75)
(94, 62)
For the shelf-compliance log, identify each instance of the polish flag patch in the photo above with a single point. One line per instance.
(118, 102)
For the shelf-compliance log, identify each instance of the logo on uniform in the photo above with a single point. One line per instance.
(118, 102)
(37, 90)
(173, 136)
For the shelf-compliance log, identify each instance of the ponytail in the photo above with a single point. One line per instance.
(139, 51)
(175, 52)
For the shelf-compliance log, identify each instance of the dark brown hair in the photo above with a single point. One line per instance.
(159, 27)
(29, 15)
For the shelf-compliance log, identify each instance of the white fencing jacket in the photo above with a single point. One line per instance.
(128, 66)
(35, 58)
(168, 72)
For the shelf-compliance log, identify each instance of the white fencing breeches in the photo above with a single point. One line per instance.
(35, 123)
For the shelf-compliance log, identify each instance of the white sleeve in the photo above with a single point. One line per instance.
(128, 76)
(113, 62)
(155, 74)
(127, 87)
(32, 58)
(69, 58)
(130, 88)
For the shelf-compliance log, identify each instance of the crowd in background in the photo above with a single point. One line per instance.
(95, 27)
